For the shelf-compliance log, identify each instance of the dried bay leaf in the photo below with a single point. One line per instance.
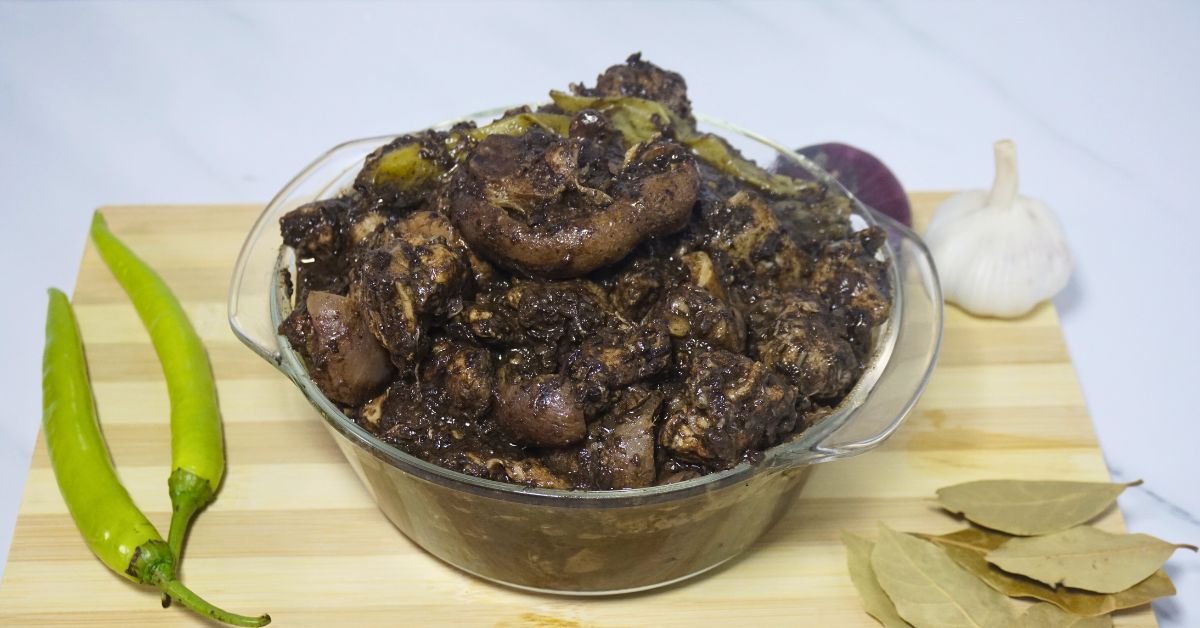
(928, 588)
(1050, 616)
(875, 600)
(1027, 508)
(1085, 558)
(969, 547)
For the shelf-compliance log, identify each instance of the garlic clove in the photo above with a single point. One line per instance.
(998, 253)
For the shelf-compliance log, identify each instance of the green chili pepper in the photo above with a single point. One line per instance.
(636, 119)
(197, 446)
(639, 119)
(521, 123)
(111, 524)
(406, 167)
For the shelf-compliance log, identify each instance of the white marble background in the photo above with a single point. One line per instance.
(220, 102)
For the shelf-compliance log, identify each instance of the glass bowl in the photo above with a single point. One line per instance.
(596, 542)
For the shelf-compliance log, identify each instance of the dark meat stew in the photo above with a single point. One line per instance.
(591, 294)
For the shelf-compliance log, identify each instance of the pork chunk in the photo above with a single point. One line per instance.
(727, 405)
(797, 337)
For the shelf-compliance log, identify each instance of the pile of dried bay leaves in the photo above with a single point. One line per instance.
(1028, 540)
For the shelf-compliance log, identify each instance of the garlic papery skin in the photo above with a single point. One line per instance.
(998, 253)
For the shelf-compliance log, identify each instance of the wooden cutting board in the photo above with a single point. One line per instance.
(295, 534)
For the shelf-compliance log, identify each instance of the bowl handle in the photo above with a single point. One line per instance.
(907, 369)
(251, 292)
(252, 302)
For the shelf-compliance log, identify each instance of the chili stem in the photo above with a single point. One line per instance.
(180, 518)
(177, 591)
(184, 511)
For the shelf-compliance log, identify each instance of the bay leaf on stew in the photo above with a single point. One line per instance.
(1085, 558)
(969, 547)
(1025, 507)
(875, 600)
(930, 589)
(1051, 616)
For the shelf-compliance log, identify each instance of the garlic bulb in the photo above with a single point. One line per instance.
(998, 253)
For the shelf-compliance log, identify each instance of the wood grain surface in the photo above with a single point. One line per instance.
(293, 532)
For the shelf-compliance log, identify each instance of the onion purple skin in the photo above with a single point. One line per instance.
(862, 173)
